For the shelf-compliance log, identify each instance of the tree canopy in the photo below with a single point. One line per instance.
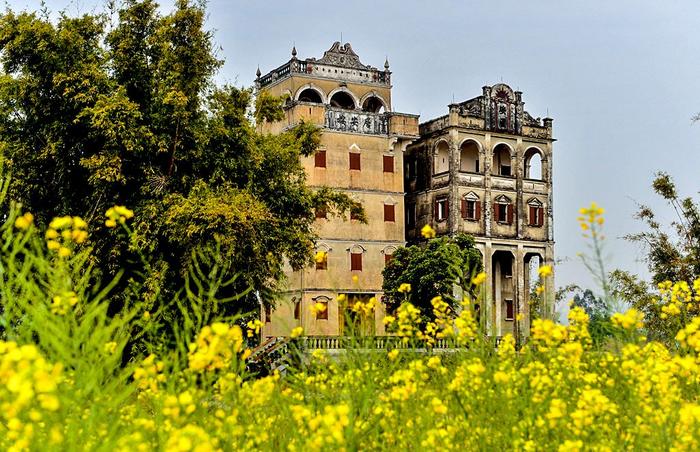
(97, 111)
(672, 254)
(436, 268)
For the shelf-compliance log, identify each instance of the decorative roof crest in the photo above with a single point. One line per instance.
(341, 55)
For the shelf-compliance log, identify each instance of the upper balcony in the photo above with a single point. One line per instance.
(339, 62)
(351, 121)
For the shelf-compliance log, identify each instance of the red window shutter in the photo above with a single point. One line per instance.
(355, 161)
(464, 208)
(540, 216)
(356, 262)
(510, 213)
(389, 213)
(496, 212)
(388, 164)
(509, 310)
(320, 159)
(533, 216)
(477, 214)
(388, 258)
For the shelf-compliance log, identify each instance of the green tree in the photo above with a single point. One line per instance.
(599, 325)
(436, 268)
(672, 254)
(94, 114)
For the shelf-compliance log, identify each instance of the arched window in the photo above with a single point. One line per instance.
(533, 164)
(373, 104)
(343, 100)
(469, 157)
(503, 210)
(310, 95)
(442, 158)
(322, 314)
(501, 161)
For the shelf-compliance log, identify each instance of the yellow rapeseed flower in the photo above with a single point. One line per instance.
(24, 221)
(404, 288)
(296, 332)
(479, 279)
(544, 271)
(428, 232)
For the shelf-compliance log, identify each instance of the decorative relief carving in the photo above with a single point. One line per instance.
(341, 55)
(358, 122)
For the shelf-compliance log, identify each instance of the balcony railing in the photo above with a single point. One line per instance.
(357, 122)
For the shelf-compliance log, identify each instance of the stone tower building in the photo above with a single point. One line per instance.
(361, 153)
(485, 168)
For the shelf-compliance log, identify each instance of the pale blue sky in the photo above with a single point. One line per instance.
(620, 78)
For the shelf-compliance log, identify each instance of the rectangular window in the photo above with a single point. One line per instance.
(354, 215)
(388, 161)
(389, 213)
(441, 209)
(509, 310)
(297, 310)
(320, 159)
(322, 264)
(356, 262)
(268, 314)
(470, 209)
(505, 170)
(388, 258)
(501, 213)
(355, 161)
(322, 314)
(411, 215)
(536, 216)
(321, 212)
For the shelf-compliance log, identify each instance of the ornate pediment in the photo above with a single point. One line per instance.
(342, 55)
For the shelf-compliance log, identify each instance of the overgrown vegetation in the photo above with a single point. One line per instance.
(64, 383)
(100, 110)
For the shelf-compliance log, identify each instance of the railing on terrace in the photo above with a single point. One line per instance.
(357, 121)
(370, 342)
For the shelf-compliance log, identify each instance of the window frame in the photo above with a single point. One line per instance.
(355, 163)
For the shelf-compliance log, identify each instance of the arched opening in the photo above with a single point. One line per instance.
(533, 164)
(442, 158)
(343, 100)
(503, 287)
(469, 157)
(533, 262)
(310, 95)
(373, 104)
(501, 161)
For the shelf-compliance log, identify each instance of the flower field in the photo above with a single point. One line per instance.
(72, 379)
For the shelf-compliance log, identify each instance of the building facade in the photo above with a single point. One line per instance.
(361, 154)
(485, 168)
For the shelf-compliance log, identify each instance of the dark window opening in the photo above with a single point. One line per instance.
(389, 213)
(388, 163)
(509, 310)
(322, 314)
(310, 95)
(342, 100)
(355, 161)
(373, 105)
(356, 262)
(297, 310)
